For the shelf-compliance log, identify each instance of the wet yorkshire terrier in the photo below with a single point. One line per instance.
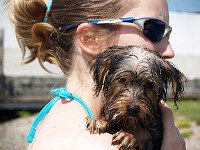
(133, 80)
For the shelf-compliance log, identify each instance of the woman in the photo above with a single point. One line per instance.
(70, 33)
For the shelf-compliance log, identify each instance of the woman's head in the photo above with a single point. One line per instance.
(47, 43)
(44, 40)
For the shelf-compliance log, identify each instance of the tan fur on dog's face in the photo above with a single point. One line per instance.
(133, 81)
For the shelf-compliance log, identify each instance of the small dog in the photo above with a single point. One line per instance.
(133, 80)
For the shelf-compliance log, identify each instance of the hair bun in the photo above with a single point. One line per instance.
(27, 17)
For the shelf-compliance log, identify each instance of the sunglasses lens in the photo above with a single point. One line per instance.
(154, 30)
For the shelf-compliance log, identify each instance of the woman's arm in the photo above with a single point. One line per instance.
(171, 137)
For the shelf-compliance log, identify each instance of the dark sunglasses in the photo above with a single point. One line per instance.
(154, 29)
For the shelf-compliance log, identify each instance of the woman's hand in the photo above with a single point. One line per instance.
(172, 139)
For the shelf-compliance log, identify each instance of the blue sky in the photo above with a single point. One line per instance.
(184, 5)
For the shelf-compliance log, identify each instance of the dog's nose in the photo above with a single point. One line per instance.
(132, 109)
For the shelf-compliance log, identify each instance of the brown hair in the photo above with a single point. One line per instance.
(44, 40)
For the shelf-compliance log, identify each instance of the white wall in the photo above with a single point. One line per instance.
(185, 40)
(185, 36)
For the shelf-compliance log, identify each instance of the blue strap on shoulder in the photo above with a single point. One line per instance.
(61, 93)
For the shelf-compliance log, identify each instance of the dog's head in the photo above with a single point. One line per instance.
(133, 80)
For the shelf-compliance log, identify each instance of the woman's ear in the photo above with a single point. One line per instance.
(87, 40)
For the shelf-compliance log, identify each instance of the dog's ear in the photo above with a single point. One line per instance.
(99, 68)
(103, 64)
(177, 80)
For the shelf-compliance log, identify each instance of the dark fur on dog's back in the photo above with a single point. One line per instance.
(133, 80)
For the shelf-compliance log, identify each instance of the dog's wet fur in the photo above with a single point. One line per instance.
(133, 80)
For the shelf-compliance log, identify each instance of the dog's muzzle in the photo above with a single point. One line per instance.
(133, 109)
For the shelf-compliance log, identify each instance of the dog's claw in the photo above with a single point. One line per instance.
(96, 126)
(124, 140)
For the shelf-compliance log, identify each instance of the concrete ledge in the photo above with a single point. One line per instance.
(34, 92)
(29, 89)
(192, 89)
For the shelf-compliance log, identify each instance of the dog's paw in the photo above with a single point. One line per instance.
(124, 140)
(96, 126)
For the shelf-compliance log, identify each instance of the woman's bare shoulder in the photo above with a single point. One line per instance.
(58, 133)
(93, 141)
(97, 142)
(83, 140)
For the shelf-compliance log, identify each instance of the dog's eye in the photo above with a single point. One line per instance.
(122, 80)
(149, 84)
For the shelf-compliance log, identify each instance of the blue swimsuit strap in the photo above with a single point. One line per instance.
(61, 93)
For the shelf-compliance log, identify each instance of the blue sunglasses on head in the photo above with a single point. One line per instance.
(154, 29)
